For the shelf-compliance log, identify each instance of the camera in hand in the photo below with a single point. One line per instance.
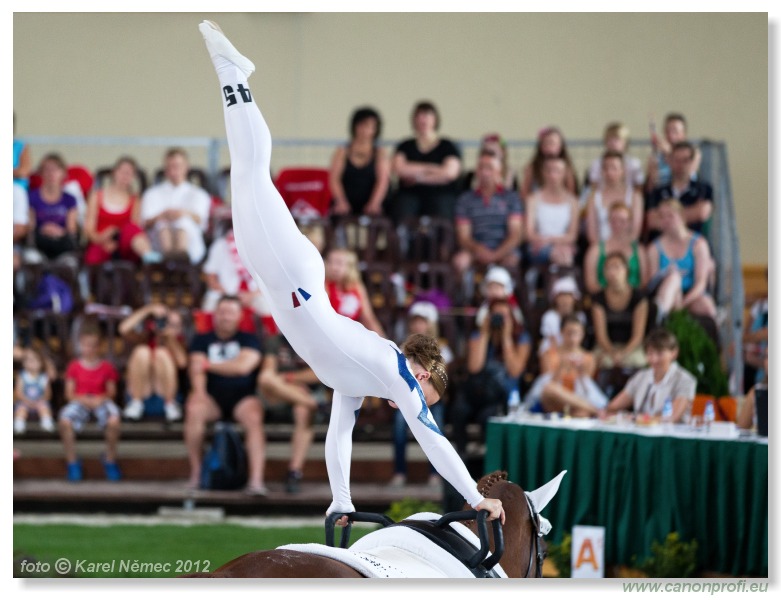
(157, 323)
(497, 321)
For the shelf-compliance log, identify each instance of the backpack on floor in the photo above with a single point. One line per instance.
(225, 462)
(52, 294)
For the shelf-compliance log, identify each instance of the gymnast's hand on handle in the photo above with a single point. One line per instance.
(494, 508)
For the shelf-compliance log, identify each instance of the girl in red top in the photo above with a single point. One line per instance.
(346, 291)
(90, 389)
(112, 220)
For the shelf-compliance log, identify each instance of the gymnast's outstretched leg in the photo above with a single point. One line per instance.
(267, 238)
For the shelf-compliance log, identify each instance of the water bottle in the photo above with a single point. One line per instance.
(709, 415)
(513, 403)
(667, 413)
(400, 291)
(667, 410)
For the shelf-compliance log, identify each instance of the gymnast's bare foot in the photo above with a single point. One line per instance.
(221, 50)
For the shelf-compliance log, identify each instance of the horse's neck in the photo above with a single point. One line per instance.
(518, 530)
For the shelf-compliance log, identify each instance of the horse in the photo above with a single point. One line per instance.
(524, 547)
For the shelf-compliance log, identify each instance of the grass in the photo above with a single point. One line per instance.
(138, 548)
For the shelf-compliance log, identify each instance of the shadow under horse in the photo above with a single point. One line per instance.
(520, 544)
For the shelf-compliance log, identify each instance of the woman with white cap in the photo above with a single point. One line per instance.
(498, 283)
(345, 356)
(564, 296)
(497, 354)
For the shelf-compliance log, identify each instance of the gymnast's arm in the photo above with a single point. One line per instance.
(438, 449)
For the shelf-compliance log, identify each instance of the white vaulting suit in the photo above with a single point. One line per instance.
(346, 356)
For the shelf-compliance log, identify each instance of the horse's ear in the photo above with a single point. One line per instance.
(544, 494)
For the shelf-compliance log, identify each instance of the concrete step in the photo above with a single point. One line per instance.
(166, 460)
(58, 495)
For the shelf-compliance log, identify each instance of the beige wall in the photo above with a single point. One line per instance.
(148, 75)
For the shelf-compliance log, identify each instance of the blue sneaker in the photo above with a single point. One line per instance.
(112, 470)
(74, 471)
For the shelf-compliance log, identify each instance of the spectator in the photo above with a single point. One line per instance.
(32, 393)
(658, 170)
(21, 218)
(755, 341)
(610, 190)
(53, 211)
(550, 144)
(90, 389)
(155, 333)
(427, 167)
(496, 145)
(497, 284)
(360, 171)
(175, 212)
(620, 317)
(564, 297)
(488, 221)
(346, 291)
(648, 390)
(226, 274)
(552, 218)
(696, 196)
(223, 376)
(747, 415)
(22, 169)
(285, 377)
(497, 354)
(621, 241)
(616, 139)
(23, 163)
(681, 265)
(422, 317)
(112, 221)
(566, 383)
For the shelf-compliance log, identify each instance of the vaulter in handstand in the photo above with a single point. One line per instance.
(289, 270)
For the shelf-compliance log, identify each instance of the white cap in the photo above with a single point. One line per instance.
(565, 285)
(499, 275)
(424, 309)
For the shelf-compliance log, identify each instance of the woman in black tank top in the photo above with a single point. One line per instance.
(360, 173)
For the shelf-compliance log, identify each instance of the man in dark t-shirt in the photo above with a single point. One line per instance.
(223, 374)
(695, 195)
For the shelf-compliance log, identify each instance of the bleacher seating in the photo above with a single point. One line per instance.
(398, 263)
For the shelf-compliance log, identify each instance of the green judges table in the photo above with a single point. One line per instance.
(641, 483)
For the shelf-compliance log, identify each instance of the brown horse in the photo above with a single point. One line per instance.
(522, 557)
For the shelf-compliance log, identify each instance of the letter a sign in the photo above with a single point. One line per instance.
(588, 552)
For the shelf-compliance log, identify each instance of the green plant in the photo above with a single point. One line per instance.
(561, 555)
(674, 558)
(698, 354)
(401, 509)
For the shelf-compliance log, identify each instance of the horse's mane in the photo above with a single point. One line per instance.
(487, 482)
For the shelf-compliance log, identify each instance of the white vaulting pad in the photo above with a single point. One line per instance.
(397, 552)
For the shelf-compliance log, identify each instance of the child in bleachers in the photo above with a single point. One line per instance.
(566, 382)
(564, 297)
(32, 393)
(90, 389)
